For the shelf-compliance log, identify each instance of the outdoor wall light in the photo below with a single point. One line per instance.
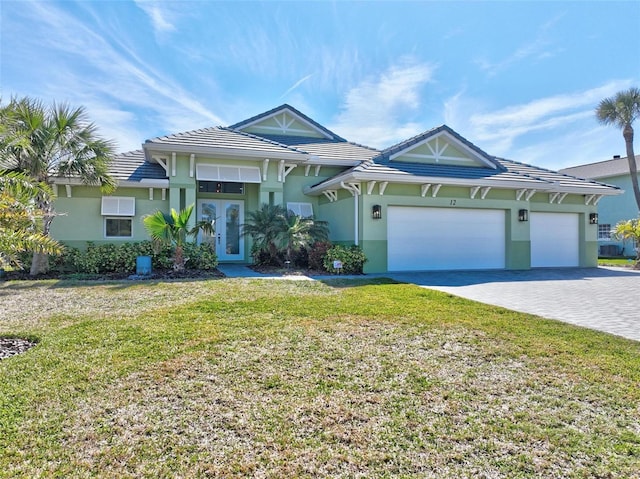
(523, 215)
(376, 212)
(593, 218)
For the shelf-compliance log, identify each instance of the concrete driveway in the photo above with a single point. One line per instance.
(605, 299)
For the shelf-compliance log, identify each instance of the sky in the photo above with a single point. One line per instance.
(519, 79)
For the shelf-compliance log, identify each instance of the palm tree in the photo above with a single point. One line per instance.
(622, 110)
(297, 232)
(19, 219)
(274, 229)
(629, 230)
(49, 142)
(263, 226)
(174, 229)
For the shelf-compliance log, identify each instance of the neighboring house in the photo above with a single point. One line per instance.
(433, 202)
(611, 209)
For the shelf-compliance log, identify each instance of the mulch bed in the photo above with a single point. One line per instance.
(12, 346)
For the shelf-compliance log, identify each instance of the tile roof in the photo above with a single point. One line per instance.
(556, 178)
(285, 106)
(325, 148)
(601, 169)
(221, 137)
(131, 166)
(510, 174)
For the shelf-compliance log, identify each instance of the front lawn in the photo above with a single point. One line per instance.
(267, 378)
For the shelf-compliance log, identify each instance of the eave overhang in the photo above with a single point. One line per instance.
(144, 183)
(406, 178)
(165, 150)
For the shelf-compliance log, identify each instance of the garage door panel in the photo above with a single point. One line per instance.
(445, 238)
(555, 239)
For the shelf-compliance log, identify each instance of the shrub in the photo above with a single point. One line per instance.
(201, 256)
(352, 258)
(300, 258)
(317, 253)
(122, 258)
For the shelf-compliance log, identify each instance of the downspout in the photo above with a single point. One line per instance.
(356, 194)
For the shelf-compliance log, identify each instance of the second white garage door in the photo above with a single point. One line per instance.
(555, 239)
(421, 239)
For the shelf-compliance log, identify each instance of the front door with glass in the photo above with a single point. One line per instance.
(228, 216)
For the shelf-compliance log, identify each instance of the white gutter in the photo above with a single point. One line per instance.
(356, 194)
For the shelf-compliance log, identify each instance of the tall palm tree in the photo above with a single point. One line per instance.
(622, 110)
(49, 142)
(19, 219)
(174, 229)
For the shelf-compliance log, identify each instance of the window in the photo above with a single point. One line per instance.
(118, 228)
(220, 187)
(118, 206)
(305, 210)
(604, 232)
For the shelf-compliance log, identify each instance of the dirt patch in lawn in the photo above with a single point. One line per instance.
(12, 346)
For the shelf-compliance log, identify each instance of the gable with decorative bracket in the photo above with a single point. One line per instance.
(442, 149)
(286, 123)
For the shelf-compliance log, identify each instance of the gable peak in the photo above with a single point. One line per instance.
(285, 120)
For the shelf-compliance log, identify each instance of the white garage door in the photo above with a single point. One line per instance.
(444, 238)
(555, 239)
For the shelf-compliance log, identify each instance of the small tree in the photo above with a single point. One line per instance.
(274, 229)
(262, 226)
(629, 230)
(20, 219)
(296, 232)
(174, 229)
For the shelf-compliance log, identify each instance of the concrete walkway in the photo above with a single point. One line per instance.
(598, 298)
(243, 271)
(604, 299)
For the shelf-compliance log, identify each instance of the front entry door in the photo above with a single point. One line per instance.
(228, 216)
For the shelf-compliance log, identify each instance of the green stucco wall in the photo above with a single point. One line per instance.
(79, 218)
(83, 222)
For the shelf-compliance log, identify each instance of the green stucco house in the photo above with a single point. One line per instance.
(612, 209)
(432, 202)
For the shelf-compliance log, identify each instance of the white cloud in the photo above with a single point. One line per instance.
(549, 132)
(295, 85)
(375, 111)
(157, 15)
(541, 47)
(100, 70)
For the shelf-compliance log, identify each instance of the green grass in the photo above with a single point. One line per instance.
(626, 262)
(259, 378)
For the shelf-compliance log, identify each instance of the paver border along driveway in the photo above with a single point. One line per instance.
(598, 298)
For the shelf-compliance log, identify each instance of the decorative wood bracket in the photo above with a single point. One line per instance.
(332, 195)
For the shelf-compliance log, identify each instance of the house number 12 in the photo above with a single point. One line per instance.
(452, 203)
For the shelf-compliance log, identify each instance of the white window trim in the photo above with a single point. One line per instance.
(116, 218)
(298, 208)
(600, 229)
